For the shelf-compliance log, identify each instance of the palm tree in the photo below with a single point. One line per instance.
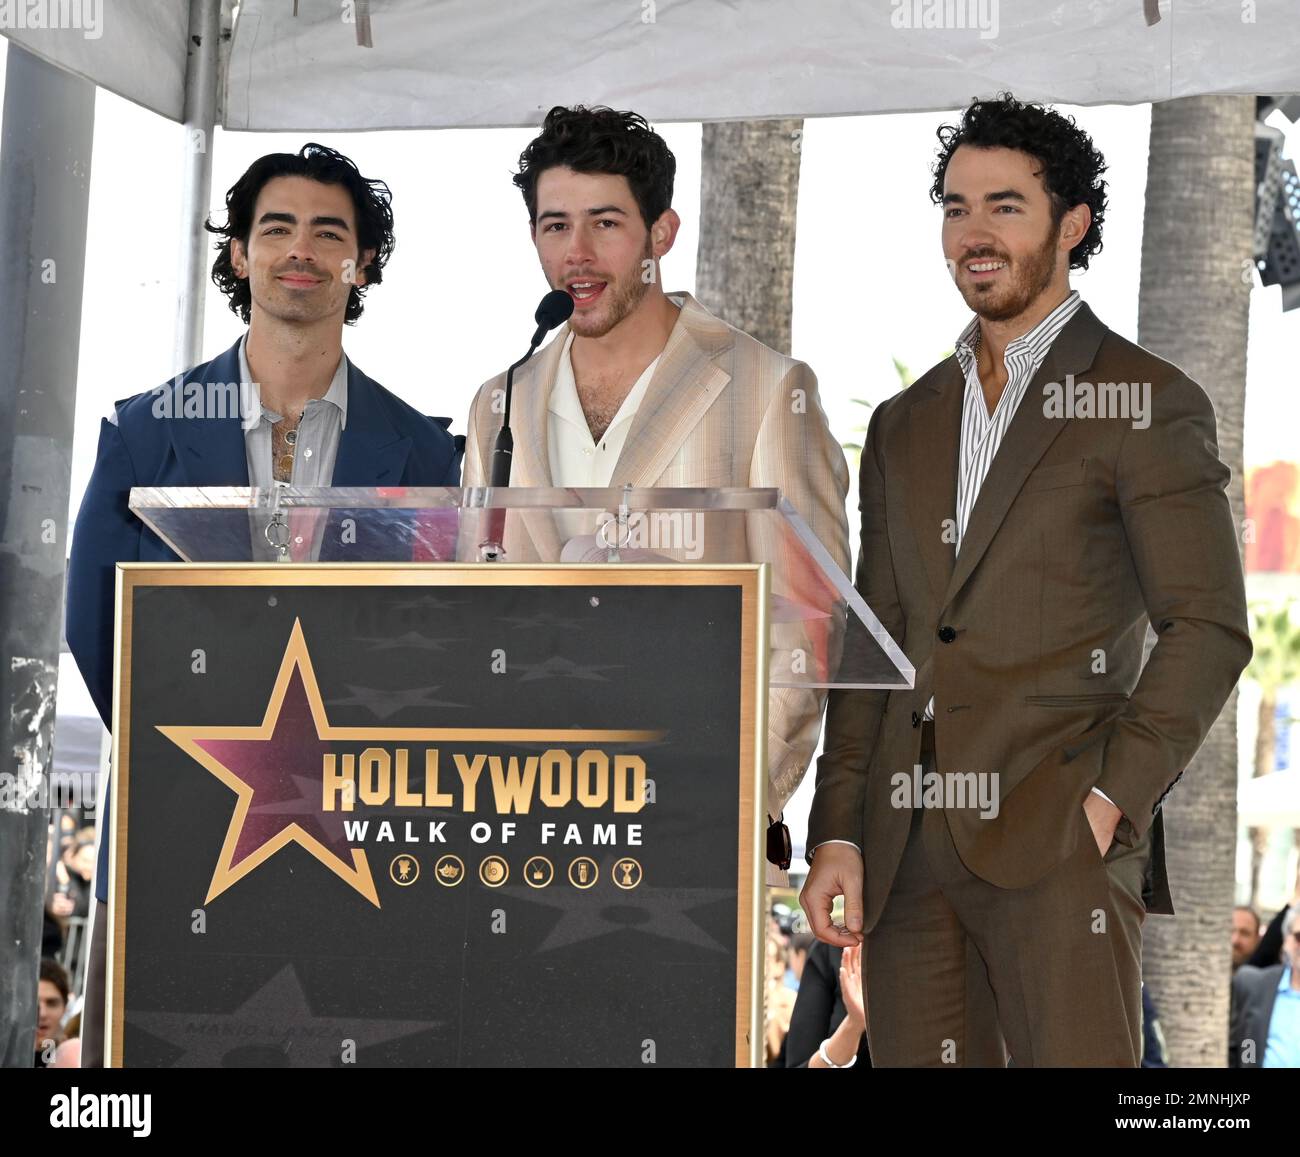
(1275, 664)
(749, 195)
(1193, 309)
(853, 450)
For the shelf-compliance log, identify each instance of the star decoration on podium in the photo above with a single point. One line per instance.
(276, 1021)
(264, 766)
(276, 768)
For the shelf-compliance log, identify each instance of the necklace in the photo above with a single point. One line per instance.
(284, 442)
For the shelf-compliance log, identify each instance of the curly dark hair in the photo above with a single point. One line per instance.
(371, 200)
(1072, 166)
(600, 140)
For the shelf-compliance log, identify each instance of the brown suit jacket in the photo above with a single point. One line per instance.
(722, 410)
(1031, 639)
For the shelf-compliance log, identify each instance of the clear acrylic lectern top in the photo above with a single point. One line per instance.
(822, 633)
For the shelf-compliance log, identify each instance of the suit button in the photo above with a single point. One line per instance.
(947, 634)
(916, 719)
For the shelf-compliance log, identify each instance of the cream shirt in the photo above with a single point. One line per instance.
(576, 458)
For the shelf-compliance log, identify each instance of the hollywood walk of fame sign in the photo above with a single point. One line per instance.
(437, 815)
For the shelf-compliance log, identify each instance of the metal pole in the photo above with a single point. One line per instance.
(49, 120)
(201, 69)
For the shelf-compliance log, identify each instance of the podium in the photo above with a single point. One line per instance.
(379, 801)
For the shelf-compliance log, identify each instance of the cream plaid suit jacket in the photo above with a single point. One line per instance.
(722, 409)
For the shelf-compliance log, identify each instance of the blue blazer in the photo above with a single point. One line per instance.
(385, 443)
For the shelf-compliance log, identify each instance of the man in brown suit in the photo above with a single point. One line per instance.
(1027, 506)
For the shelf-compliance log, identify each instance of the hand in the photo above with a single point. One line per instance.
(1104, 817)
(851, 987)
(62, 905)
(836, 871)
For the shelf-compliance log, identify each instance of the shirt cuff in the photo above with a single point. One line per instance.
(808, 854)
(1107, 798)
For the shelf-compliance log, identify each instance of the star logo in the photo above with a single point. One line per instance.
(258, 764)
(275, 770)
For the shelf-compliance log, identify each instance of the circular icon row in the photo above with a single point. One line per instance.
(538, 871)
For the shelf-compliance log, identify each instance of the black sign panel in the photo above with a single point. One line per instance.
(436, 815)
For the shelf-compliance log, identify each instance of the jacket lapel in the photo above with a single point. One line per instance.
(530, 415)
(686, 382)
(210, 450)
(930, 461)
(372, 451)
(1027, 438)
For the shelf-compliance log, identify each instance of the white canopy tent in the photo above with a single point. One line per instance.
(318, 65)
(355, 65)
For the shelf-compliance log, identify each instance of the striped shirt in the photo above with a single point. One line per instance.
(982, 432)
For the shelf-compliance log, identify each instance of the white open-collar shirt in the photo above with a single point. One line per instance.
(576, 458)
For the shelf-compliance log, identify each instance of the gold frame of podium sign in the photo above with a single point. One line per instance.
(752, 579)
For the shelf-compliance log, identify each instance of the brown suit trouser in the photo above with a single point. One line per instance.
(960, 972)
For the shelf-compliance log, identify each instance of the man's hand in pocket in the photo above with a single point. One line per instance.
(1103, 817)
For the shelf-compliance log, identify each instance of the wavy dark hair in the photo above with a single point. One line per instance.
(371, 201)
(1072, 166)
(601, 140)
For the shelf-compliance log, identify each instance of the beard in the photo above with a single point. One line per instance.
(625, 295)
(293, 306)
(1028, 277)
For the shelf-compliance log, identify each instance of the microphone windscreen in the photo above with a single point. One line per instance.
(555, 309)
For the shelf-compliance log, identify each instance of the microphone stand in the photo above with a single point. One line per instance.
(555, 309)
(503, 452)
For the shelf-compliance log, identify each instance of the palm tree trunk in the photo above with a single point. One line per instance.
(1265, 753)
(1266, 733)
(749, 192)
(1193, 309)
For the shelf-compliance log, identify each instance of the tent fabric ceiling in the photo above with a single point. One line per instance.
(338, 65)
(135, 48)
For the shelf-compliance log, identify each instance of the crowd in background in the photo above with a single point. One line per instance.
(70, 869)
(1264, 1027)
(815, 1014)
(58, 1026)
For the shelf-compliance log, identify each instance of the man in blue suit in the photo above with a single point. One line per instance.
(305, 236)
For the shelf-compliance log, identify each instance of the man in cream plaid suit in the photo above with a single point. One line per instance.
(647, 388)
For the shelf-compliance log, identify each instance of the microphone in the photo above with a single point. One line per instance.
(555, 309)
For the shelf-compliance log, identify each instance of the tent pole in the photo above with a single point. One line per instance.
(45, 150)
(201, 71)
